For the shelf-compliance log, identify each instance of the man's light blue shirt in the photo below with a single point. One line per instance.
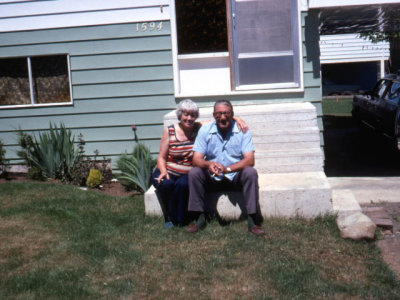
(226, 151)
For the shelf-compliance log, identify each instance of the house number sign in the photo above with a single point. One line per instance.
(150, 26)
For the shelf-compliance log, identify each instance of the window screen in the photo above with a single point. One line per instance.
(265, 42)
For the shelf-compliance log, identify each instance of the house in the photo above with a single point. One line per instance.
(101, 66)
(97, 66)
(350, 63)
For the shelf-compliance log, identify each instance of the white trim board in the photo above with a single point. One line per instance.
(29, 8)
(74, 13)
(340, 3)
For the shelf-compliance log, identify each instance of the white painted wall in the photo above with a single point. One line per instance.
(33, 15)
(344, 48)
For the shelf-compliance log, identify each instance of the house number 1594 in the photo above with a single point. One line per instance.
(149, 26)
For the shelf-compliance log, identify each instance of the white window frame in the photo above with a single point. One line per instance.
(33, 104)
(216, 81)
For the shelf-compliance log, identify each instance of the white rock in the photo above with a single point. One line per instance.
(356, 226)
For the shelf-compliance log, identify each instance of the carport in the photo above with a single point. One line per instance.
(360, 16)
(349, 151)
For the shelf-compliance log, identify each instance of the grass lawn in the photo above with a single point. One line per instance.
(337, 106)
(57, 242)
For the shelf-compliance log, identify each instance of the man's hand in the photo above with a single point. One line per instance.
(216, 168)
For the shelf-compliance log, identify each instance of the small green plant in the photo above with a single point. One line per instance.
(53, 152)
(36, 173)
(84, 164)
(94, 179)
(136, 168)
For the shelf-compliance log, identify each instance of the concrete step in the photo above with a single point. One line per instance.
(305, 194)
(286, 146)
(344, 202)
(261, 116)
(281, 161)
(286, 139)
(268, 124)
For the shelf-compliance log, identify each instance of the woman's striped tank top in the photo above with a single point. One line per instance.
(180, 153)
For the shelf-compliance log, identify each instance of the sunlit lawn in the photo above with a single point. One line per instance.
(57, 241)
(337, 106)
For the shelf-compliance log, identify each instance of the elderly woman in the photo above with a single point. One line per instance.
(175, 161)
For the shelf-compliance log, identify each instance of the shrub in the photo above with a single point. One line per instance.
(36, 173)
(136, 168)
(94, 179)
(84, 164)
(53, 152)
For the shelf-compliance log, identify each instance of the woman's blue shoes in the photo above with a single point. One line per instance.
(168, 225)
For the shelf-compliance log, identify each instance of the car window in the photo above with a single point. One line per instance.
(380, 88)
(393, 92)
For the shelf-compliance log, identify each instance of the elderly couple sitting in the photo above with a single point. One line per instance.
(198, 158)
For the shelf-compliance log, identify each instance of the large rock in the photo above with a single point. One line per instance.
(356, 226)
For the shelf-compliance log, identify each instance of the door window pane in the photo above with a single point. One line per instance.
(201, 26)
(14, 81)
(266, 70)
(265, 42)
(263, 25)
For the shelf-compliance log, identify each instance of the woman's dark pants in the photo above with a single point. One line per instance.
(174, 194)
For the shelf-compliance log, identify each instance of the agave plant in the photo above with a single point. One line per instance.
(53, 152)
(136, 168)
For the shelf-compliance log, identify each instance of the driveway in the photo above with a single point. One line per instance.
(368, 165)
(362, 161)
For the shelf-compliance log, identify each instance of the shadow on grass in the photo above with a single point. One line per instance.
(353, 150)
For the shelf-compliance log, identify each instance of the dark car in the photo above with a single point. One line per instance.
(379, 108)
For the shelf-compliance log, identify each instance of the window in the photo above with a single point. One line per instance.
(394, 92)
(380, 88)
(237, 45)
(34, 80)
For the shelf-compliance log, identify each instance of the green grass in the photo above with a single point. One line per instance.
(58, 242)
(337, 106)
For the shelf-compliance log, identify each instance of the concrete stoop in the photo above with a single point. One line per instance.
(289, 162)
(306, 194)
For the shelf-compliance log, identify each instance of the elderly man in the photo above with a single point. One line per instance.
(223, 159)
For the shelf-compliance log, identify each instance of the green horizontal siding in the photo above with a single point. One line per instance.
(122, 89)
(122, 60)
(139, 44)
(105, 148)
(49, 36)
(311, 81)
(119, 77)
(122, 75)
(85, 120)
(141, 103)
(115, 133)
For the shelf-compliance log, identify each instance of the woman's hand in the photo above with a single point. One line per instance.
(242, 125)
(162, 176)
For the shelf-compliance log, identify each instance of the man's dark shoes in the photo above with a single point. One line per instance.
(256, 230)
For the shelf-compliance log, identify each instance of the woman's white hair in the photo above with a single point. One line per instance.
(188, 106)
